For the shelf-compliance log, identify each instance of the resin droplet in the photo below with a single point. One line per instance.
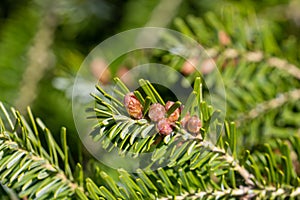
(133, 106)
(156, 112)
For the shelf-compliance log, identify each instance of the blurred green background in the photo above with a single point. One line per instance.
(43, 43)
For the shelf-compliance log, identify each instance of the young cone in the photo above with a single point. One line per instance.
(156, 112)
(133, 106)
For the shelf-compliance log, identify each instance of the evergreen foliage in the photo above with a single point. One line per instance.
(195, 167)
(257, 153)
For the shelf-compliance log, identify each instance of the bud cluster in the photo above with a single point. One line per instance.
(158, 113)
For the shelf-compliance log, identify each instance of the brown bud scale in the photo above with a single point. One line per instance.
(133, 106)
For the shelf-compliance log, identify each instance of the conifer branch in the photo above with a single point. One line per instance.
(272, 104)
(255, 57)
(52, 175)
(184, 163)
(247, 176)
(39, 59)
(26, 166)
(243, 193)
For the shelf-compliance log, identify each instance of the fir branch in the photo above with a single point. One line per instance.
(187, 144)
(39, 59)
(186, 155)
(229, 53)
(247, 176)
(20, 178)
(256, 77)
(243, 193)
(266, 106)
(284, 65)
(26, 166)
(151, 182)
(195, 168)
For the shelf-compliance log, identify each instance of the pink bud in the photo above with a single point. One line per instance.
(184, 120)
(164, 127)
(224, 38)
(156, 112)
(194, 124)
(133, 106)
(100, 70)
(189, 66)
(175, 115)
